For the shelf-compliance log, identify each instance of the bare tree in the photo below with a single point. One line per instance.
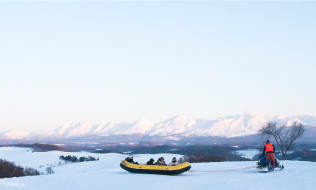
(282, 134)
(49, 170)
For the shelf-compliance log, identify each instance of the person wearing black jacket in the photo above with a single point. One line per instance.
(131, 160)
(151, 162)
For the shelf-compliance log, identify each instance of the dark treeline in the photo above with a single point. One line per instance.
(200, 157)
(9, 169)
(302, 155)
(216, 156)
(194, 152)
(75, 159)
(103, 151)
(39, 147)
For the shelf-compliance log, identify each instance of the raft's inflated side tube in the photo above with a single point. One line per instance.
(155, 169)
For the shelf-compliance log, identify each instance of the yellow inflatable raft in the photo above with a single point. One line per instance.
(155, 169)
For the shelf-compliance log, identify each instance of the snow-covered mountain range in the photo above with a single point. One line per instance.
(230, 126)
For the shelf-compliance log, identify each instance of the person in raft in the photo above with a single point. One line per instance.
(174, 162)
(269, 151)
(131, 160)
(161, 162)
(151, 162)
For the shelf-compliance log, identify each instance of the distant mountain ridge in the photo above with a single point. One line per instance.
(14, 134)
(230, 126)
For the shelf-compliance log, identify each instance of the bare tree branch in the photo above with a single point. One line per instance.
(285, 136)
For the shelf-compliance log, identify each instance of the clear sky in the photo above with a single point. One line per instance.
(122, 61)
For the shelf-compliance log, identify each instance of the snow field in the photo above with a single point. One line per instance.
(249, 153)
(107, 174)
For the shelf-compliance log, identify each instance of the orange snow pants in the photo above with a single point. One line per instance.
(271, 156)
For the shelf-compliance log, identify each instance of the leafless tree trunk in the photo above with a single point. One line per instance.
(282, 134)
(49, 170)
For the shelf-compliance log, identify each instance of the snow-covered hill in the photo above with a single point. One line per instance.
(107, 174)
(16, 135)
(230, 126)
(78, 129)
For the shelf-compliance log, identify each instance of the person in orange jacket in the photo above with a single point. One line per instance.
(269, 150)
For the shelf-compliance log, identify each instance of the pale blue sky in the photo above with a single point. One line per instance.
(121, 61)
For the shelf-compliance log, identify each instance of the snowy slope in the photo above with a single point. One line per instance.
(107, 174)
(78, 128)
(230, 126)
(175, 125)
(14, 134)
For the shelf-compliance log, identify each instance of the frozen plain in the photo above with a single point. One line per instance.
(107, 174)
